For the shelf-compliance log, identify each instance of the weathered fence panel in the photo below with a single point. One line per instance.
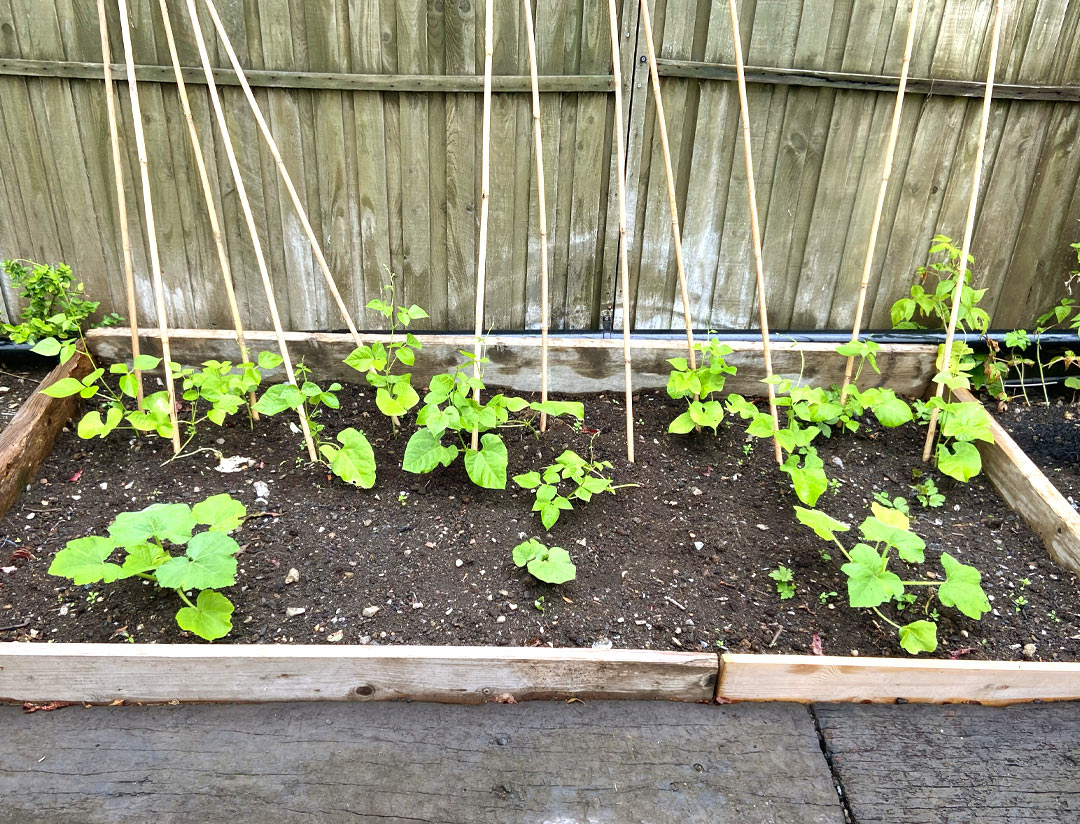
(375, 106)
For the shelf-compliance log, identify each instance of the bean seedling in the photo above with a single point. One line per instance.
(550, 565)
(586, 477)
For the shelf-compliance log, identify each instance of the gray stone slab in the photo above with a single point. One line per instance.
(601, 762)
(956, 764)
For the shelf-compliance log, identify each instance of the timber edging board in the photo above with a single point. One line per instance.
(203, 673)
(102, 673)
(28, 439)
(831, 678)
(577, 364)
(1029, 493)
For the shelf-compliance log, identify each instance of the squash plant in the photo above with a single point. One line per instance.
(451, 411)
(160, 544)
(550, 565)
(871, 584)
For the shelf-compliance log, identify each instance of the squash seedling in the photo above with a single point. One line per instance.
(872, 584)
(550, 565)
(148, 539)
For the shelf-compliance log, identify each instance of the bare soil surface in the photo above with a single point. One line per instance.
(1050, 436)
(680, 561)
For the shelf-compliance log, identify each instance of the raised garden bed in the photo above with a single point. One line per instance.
(682, 560)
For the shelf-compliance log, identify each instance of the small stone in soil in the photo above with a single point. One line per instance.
(292, 612)
(369, 612)
(292, 576)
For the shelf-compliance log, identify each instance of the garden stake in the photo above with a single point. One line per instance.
(151, 230)
(886, 171)
(208, 195)
(624, 266)
(121, 196)
(755, 228)
(301, 212)
(249, 218)
(676, 233)
(969, 226)
(541, 201)
(485, 163)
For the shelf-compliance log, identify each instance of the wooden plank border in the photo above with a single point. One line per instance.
(828, 678)
(102, 673)
(28, 439)
(456, 83)
(1030, 494)
(577, 364)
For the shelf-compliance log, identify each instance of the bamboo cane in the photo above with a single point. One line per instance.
(676, 232)
(286, 178)
(249, 218)
(151, 229)
(969, 226)
(208, 195)
(541, 199)
(886, 172)
(755, 228)
(121, 197)
(624, 266)
(485, 163)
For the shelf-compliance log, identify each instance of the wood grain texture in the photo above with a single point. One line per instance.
(1025, 488)
(101, 673)
(376, 106)
(955, 765)
(396, 763)
(28, 439)
(811, 678)
(577, 364)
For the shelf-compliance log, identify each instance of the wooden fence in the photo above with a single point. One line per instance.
(375, 104)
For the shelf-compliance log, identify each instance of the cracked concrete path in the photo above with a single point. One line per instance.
(602, 762)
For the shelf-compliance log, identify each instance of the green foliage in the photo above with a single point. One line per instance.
(55, 307)
(452, 411)
(160, 544)
(897, 503)
(699, 386)
(552, 566)
(785, 582)
(585, 477)
(926, 493)
(871, 584)
(394, 393)
(353, 461)
(931, 308)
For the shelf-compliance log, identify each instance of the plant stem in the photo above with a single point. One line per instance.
(185, 599)
(884, 618)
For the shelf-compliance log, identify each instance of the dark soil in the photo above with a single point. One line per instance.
(1050, 436)
(19, 376)
(679, 562)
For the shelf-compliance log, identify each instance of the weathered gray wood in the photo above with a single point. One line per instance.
(374, 104)
(577, 364)
(101, 673)
(547, 762)
(768, 75)
(955, 765)
(340, 81)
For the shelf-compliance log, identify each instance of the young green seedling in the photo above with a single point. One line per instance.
(872, 584)
(148, 539)
(785, 582)
(450, 409)
(699, 386)
(552, 566)
(586, 477)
